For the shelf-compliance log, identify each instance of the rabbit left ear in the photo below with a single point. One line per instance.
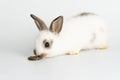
(40, 24)
(56, 25)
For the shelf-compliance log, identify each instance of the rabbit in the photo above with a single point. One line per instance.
(81, 32)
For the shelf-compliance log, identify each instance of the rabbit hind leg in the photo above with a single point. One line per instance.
(103, 47)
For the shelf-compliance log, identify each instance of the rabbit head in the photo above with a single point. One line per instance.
(46, 41)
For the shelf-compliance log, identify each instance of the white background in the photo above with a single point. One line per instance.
(18, 32)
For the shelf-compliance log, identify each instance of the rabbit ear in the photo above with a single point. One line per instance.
(56, 25)
(40, 24)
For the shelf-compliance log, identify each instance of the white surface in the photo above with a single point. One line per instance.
(18, 32)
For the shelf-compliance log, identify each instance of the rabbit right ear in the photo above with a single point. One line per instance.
(56, 25)
(40, 24)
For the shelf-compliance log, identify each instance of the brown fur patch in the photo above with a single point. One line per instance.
(37, 57)
(86, 14)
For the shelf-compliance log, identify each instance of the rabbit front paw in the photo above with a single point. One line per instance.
(72, 53)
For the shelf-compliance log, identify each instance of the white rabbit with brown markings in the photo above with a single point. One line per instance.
(85, 31)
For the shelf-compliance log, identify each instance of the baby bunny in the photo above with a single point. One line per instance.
(85, 31)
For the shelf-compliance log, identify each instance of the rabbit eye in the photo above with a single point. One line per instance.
(47, 45)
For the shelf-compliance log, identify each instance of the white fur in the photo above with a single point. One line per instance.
(77, 33)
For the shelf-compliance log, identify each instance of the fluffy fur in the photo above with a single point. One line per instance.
(81, 32)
